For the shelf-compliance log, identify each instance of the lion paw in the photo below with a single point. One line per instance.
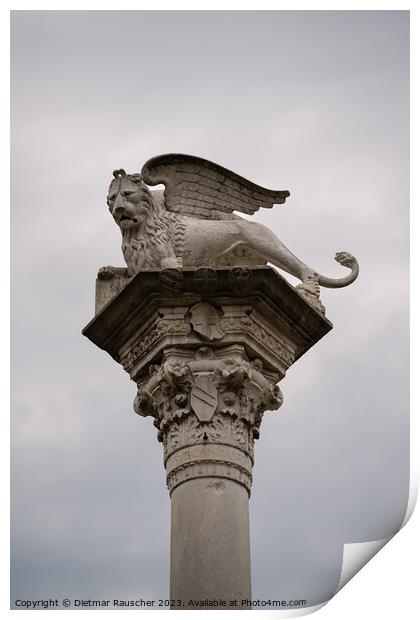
(310, 284)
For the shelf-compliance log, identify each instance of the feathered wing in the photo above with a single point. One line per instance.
(200, 188)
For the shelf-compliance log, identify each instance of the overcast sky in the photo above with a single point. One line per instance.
(313, 102)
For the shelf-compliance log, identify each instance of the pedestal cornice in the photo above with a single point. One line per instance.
(127, 308)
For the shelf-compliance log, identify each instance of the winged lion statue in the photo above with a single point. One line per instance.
(192, 223)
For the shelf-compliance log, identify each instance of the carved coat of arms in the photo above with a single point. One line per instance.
(204, 398)
(205, 320)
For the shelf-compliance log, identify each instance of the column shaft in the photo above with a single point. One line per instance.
(210, 554)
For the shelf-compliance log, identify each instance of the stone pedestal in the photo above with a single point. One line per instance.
(206, 348)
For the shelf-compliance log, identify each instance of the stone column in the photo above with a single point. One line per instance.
(207, 404)
(206, 348)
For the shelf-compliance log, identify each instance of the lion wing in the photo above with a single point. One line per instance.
(200, 188)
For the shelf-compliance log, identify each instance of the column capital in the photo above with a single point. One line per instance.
(207, 406)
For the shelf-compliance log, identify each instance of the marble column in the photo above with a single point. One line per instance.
(206, 348)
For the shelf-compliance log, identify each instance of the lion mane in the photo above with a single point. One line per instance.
(157, 238)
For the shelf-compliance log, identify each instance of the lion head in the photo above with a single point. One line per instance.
(144, 222)
(129, 200)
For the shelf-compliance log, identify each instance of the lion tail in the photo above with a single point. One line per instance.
(347, 260)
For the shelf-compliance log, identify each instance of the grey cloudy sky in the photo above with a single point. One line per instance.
(313, 102)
